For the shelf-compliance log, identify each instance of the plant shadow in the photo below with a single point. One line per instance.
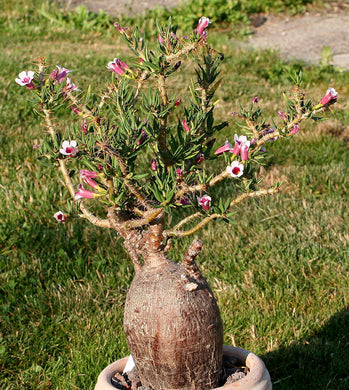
(319, 361)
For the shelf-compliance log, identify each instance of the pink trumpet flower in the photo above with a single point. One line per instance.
(204, 201)
(227, 147)
(60, 217)
(25, 79)
(295, 129)
(60, 75)
(244, 152)
(240, 141)
(161, 39)
(83, 194)
(117, 66)
(88, 177)
(330, 97)
(203, 23)
(235, 169)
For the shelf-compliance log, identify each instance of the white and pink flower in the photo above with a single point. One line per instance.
(203, 23)
(330, 97)
(235, 169)
(227, 147)
(60, 217)
(69, 148)
(25, 79)
(117, 66)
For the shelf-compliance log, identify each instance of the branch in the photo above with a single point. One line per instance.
(201, 187)
(178, 233)
(86, 213)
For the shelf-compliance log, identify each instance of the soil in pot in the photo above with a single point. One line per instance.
(231, 373)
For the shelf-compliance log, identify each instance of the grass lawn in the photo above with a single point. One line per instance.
(280, 273)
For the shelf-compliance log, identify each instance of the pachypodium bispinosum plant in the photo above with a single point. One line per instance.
(145, 153)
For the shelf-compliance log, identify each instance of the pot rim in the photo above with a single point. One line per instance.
(258, 377)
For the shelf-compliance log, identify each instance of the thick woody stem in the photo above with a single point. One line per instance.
(189, 264)
(186, 50)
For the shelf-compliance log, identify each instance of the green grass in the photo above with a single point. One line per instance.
(280, 273)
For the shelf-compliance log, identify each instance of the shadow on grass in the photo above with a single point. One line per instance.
(319, 361)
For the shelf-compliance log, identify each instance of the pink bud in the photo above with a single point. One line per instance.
(199, 158)
(283, 116)
(185, 126)
(76, 110)
(295, 129)
(227, 147)
(204, 201)
(161, 39)
(154, 165)
(244, 152)
(178, 102)
(179, 172)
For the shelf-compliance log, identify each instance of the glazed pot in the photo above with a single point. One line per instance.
(257, 379)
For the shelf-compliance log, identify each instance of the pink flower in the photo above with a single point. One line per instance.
(36, 146)
(179, 172)
(82, 193)
(117, 66)
(240, 143)
(118, 27)
(178, 102)
(185, 126)
(227, 147)
(60, 75)
(161, 39)
(203, 23)
(25, 79)
(60, 217)
(204, 201)
(295, 129)
(244, 152)
(84, 127)
(143, 138)
(87, 173)
(69, 148)
(283, 116)
(235, 169)
(200, 158)
(255, 99)
(88, 177)
(71, 86)
(154, 165)
(329, 98)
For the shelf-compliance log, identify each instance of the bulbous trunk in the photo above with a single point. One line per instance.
(173, 327)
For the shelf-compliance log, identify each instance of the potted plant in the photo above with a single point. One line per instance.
(146, 161)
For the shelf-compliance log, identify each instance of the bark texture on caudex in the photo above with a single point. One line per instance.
(172, 321)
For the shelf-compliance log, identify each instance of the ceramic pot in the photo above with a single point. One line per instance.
(257, 379)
